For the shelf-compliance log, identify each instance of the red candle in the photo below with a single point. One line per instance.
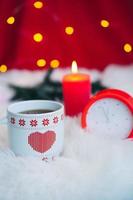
(76, 91)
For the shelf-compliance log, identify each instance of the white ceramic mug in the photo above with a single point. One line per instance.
(36, 134)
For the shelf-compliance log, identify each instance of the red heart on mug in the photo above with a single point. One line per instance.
(42, 142)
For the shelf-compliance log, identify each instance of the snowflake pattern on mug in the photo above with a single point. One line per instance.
(33, 123)
(22, 122)
(45, 159)
(12, 120)
(45, 122)
(55, 120)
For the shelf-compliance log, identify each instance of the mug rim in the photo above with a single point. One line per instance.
(61, 106)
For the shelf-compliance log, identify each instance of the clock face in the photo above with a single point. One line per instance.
(110, 117)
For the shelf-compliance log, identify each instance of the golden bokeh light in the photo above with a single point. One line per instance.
(104, 23)
(3, 68)
(69, 30)
(10, 20)
(127, 47)
(54, 63)
(38, 37)
(38, 4)
(41, 62)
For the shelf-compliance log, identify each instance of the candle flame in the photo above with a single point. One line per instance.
(74, 67)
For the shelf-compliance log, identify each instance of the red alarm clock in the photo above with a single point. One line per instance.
(109, 112)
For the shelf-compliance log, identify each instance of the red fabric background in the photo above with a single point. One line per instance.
(91, 45)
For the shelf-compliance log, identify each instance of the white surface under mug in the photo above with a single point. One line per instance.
(36, 134)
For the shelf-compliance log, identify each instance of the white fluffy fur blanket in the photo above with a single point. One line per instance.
(91, 168)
